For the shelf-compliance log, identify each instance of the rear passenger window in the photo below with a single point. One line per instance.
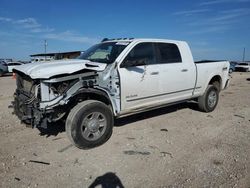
(169, 53)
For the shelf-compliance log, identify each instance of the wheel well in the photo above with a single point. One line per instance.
(216, 80)
(95, 96)
(90, 94)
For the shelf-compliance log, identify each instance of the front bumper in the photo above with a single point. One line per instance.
(22, 110)
(27, 111)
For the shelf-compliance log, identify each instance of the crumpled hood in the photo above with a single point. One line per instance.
(41, 70)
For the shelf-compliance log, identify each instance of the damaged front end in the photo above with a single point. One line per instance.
(26, 100)
(36, 101)
(39, 101)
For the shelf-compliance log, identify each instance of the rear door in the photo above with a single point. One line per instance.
(177, 75)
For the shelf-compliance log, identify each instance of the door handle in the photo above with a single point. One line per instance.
(154, 73)
(184, 70)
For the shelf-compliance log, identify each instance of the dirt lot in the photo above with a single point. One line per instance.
(170, 147)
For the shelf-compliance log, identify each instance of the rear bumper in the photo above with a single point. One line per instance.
(227, 84)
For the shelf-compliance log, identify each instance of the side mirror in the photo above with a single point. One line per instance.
(133, 63)
(128, 63)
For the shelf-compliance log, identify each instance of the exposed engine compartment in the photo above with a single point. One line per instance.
(39, 101)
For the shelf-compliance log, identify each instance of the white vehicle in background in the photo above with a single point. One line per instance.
(3, 68)
(245, 67)
(112, 79)
(12, 65)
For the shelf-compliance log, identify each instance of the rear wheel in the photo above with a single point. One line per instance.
(217, 85)
(1, 72)
(209, 100)
(89, 124)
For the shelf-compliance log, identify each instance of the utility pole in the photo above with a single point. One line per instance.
(243, 59)
(45, 48)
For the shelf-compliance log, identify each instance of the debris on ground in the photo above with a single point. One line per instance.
(164, 154)
(165, 130)
(18, 179)
(41, 162)
(131, 152)
(240, 116)
(65, 148)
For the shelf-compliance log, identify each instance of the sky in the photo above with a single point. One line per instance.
(214, 29)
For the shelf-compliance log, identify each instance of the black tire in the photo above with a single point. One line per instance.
(1, 72)
(217, 85)
(230, 71)
(209, 100)
(89, 124)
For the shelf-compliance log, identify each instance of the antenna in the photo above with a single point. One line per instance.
(243, 59)
(45, 48)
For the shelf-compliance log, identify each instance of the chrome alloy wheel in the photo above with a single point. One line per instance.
(212, 99)
(93, 126)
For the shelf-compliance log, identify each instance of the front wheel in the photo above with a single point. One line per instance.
(209, 100)
(89, 124)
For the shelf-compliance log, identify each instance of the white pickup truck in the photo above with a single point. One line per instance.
(115, 78)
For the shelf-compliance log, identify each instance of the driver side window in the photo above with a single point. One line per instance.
(141, 54)
(101, 53)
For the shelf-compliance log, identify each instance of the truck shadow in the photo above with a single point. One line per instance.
(53, 129)
(153, 113)
(56, 128)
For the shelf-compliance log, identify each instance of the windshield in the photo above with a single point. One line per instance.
(104, 52)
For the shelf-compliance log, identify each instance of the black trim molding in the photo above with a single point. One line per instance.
(130, 100)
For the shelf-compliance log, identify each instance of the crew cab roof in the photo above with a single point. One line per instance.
(141, 40)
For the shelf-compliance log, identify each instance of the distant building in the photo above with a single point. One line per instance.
(55, 56)
(6, 60)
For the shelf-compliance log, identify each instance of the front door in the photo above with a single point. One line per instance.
(139, 76)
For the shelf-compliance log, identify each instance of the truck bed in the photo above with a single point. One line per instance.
(206, 70)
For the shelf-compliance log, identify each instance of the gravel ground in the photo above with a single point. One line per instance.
(170, 147)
